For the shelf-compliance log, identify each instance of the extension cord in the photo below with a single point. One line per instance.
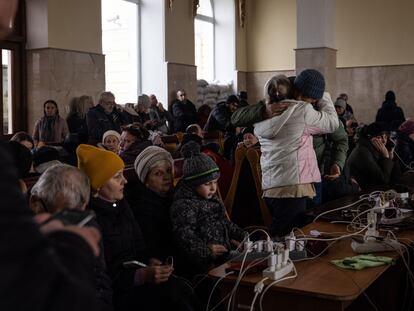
(373, 246)
(391, 221)
(278, 273)
(401, 215)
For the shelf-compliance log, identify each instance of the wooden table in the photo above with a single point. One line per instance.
(322, 286)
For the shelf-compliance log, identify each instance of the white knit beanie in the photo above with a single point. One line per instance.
(110, 133)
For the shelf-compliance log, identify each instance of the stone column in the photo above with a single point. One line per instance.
(61, 66)
(316, 39)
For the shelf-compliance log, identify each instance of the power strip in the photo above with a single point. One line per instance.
(393, 220)
(279, 264)
(278, 273)
(373, 246)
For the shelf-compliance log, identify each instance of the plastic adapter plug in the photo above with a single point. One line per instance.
(258, 288)
(279, 264)
(248, 246)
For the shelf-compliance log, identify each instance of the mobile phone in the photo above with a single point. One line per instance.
(390, 144)
(72, 217)
(133, 264)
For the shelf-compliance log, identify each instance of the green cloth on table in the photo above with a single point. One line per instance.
(363, 261)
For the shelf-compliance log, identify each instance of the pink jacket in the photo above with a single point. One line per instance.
(288, 157)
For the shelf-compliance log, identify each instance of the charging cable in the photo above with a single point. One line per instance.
(214, 287)
(257, 290)
(275, 282)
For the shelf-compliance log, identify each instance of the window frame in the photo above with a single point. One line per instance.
(211, 20)
(139, 53)
(16, 43)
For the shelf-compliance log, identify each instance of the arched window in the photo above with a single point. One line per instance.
(204, 40)
(120, 44)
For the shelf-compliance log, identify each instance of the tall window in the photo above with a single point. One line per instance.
(204, 40)
(7, 95)
(120, 44)
(12, 86)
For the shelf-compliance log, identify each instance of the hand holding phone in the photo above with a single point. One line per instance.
(71, 217)
(71, 221)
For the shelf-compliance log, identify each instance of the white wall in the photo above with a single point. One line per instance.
(270, 35)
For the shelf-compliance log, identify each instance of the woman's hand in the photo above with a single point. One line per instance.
(275, 109)
(217, 249)
(334, 172)
(380, 147)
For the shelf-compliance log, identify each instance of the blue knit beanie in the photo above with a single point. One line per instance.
(310, 83)
(198, 167)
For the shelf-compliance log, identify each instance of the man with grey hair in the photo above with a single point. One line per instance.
(66, 187)
(103, 117)
(59, 187)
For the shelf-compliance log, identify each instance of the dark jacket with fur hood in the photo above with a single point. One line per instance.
(198, 222)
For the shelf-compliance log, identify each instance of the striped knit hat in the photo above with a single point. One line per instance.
(147, 158)
(198, 167)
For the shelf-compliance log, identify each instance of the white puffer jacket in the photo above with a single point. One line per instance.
(288, 157)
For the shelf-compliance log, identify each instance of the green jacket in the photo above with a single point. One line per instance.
(249, 115)
(339, 147)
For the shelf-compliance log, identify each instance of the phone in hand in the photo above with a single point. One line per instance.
(72, 217)
(390, 144)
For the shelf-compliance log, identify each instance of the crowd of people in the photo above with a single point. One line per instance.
(151, 239)
(83, 237)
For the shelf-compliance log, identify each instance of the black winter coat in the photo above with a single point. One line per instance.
(369, 168)
(184, 115)
(103, 283)
(152, 212)
(122, 241)
(390, 114)
(220, 120)
(77, 125)
(38, 272)
(133, 151)
(198, 222)
(99, 122)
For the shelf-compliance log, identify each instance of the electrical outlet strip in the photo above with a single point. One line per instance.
(372, 246)
(394, 220)
(278, 273)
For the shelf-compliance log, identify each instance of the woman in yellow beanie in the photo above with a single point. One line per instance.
(104, 168)
(133, 282)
